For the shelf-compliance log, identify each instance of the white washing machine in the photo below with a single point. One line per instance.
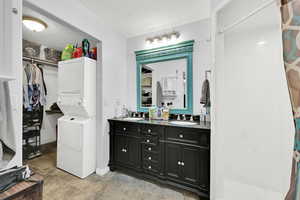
(76, 142)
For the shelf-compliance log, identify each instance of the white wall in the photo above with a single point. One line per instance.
(198, 31)
(48, 131)
(111, 81)
(253, 138)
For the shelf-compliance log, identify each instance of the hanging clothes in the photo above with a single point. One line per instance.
(34, 88)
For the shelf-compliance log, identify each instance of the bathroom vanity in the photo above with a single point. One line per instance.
(175, 155)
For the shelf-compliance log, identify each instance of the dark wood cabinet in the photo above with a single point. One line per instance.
(178, 156)
(172, 160)
(127, 151)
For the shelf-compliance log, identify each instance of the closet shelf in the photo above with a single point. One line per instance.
(40, 61)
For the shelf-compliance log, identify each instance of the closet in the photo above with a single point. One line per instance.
(44, 46)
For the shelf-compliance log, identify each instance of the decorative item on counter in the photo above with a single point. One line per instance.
(166, 112)
(85, 47)
(160, 111)
(152, 112)
(67, 52)
(93, 53)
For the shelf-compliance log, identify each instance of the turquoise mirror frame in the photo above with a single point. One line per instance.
(183, 50)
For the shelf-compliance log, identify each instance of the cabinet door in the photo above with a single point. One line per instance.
(190, 165)
(204, 169)
(172, 159)
(121, 151)
(134, 152)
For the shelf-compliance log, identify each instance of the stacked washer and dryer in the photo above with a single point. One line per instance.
(76, 141)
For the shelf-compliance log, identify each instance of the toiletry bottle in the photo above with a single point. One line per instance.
(166, 112)
(151, 112)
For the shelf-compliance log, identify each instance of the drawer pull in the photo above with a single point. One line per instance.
(149, 149)
(180, 163)
(149, 130)
(150, 167)
(148, 141)
(180, 135)
(150, 158)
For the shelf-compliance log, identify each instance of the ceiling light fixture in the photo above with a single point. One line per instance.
(34, 24)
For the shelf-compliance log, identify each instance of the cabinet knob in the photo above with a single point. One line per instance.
(149, 148)
(180, 135)
(179, 163)
(150, 158)
(150, 167)
(182, 163)
(149, 130)
(15, 10)
(124, 129)
(148, 141)
(125, 150)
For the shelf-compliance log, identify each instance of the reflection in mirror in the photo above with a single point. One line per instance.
(7, 134)
(164, 82)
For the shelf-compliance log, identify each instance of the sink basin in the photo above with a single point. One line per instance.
(132, 119)
(184, 123)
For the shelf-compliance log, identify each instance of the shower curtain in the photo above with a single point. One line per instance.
(290, 12)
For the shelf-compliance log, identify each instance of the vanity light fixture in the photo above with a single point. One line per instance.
(149, 40)
(34, 24)
(163, 38)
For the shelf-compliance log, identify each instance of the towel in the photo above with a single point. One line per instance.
(205, 98)
(159, 94)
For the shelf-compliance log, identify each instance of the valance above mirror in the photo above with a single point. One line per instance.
(165, 76)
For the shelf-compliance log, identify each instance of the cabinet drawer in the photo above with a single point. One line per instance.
(152, 130)
(151, 167)
(150, 148)
(188, 135)
(150, 140)
(151, 157)
(127, 128)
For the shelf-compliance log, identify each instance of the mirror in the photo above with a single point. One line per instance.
(164, 82)
(164, 76)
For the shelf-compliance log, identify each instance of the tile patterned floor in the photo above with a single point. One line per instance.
(59, 185)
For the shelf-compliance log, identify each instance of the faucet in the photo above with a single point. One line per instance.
(192, 118)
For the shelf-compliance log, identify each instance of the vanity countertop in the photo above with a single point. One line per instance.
(201, 125)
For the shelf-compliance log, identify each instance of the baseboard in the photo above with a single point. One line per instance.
(102, 172)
